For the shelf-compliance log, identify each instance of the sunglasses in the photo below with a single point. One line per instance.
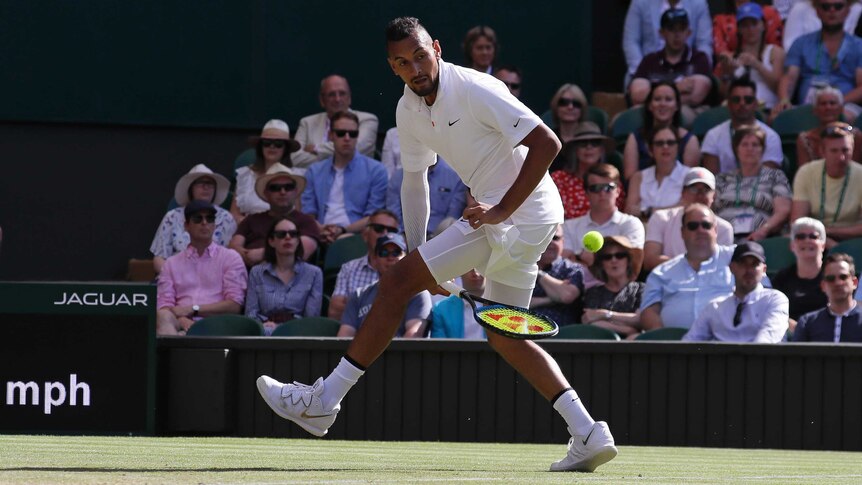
(664, 143)
(351, 133)
(200, 218)
(694, 225)
(381, 228)
(385, 253)
(588, 143)
(742, 99)
(617, 255)
(293, 233)
(279, 187)
(596, 188)
(512, 85)
(563, 102)
(831, 6)
(832, 277)
(803, 236)
(268, 142)
(839, 130)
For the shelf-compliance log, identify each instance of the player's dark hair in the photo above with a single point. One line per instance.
(402, 28)
(839, 258)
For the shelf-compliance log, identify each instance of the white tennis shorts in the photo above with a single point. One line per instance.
(506, 254)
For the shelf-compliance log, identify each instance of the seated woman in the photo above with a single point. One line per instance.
(755, 199)
(661, 110)
(587, 148)
(754, 55)
(614, 304)
(272, 146)
(200, 183)
(659, 186)
(827, 107)
(801, 280)
(284, 286)
(569, 109)
(480, 48)
(725, 34)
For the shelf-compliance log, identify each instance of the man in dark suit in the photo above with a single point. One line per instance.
(841, 320)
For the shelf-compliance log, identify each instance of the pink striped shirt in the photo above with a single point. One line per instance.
(188, 278)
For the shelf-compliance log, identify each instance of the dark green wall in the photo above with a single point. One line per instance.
(236, 64)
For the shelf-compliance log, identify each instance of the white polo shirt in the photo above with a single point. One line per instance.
(718, 143)
(476, 125)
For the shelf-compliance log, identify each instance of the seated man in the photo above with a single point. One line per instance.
(359, 272)
(280, 187)
(717, 147)
(452, 317)
(643, 22)
(346, 188)
(677, 290)
(447, 195)
(752, 313)
(205, 279)
(313, 131)
(664, 229)
(511, 77)
(559, 284)
(603, 185)
(828, 189)
(841, 320)
(827, 57)
(388, 251)
(688, 69)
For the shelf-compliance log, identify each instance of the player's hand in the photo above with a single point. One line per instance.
(482, 213)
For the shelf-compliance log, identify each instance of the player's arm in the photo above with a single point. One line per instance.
(415, 207)
(543, 146)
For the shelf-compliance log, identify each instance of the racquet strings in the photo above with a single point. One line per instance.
(514, 320)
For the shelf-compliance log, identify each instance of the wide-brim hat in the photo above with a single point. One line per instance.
(587, 130)
(181, 191)
(275, 171)
(276, 130)
(636, 254)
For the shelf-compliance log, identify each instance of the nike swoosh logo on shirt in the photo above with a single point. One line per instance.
(516, 123)
(312, 416)
(585, 439)
(453, 122)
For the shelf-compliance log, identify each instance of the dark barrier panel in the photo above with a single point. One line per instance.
(794, 396)
(77, 358)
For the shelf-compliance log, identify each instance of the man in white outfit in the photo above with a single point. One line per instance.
(502, 151)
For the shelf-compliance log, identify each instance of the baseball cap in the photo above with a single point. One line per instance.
(390, 238)
(699, 175)
(749, 249)
(750, 10)
(196, 206)
(674, 16)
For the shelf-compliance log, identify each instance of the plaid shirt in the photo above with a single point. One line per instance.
(354, 274)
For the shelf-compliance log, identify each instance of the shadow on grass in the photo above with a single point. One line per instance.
(167, 469)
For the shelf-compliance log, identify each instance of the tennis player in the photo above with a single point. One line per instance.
(502, 151)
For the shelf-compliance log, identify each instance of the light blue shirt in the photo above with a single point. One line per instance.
(359, 304)
(764, 318)
(365, 183)
(267, 293)
(684, 292)
(447, 194)
(643, 21)
(814, 63)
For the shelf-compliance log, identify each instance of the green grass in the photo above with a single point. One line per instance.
(75, 460)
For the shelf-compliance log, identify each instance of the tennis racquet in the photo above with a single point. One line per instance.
(508, 320)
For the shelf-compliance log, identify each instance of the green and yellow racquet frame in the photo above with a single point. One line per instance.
(508, 320)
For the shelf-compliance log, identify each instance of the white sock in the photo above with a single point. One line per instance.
(571, 408)
(336, 385)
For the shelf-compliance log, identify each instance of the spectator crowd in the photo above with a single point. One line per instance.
(738, 147)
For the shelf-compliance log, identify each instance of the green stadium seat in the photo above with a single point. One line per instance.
(308, 327)
(664, 333)
(792, 122)
(343, 250)
(226, 326)
(586, 332)
(709, 119)
(853, 247)
(778, 254)
(626, 123)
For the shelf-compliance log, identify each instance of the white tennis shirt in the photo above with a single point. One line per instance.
(476, 125)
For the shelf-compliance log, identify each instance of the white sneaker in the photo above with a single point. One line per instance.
(299, 403)
(586, 453)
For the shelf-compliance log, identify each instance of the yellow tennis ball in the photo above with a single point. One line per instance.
(593, 241)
